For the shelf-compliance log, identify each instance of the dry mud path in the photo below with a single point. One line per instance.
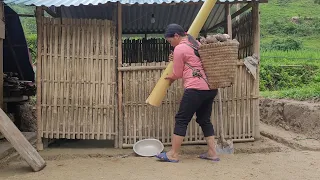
(288, 164)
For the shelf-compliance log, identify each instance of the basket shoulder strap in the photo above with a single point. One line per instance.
(196, 72)
(195, 49)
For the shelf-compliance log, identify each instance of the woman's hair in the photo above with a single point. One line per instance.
(177, 29)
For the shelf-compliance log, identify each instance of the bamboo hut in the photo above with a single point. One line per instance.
(92, 82)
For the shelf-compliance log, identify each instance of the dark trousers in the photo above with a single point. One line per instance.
(199, 102)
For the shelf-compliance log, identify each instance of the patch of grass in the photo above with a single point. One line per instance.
(290, 57)
(290, 86)
(302, 93)
(276, 9)
(276, 22)
(309, 43)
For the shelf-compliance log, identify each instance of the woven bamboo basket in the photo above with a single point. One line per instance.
(220, 62)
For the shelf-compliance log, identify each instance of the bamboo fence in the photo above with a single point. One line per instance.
(143, 121)
(242, 31)
(145, 50)
(238, 102)
(78, 79)
(77, 100)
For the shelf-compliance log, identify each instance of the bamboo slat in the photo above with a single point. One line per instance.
(78, 79)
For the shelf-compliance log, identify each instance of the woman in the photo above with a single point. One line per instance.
(197, 97)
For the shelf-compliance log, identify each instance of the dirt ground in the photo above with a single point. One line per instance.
(264, 159)
(289, 165)
(296, 116)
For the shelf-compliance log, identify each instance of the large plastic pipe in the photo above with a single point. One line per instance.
(159, 91)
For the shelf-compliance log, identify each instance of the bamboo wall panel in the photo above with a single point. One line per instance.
(242, 31)
(78, 83)
(143, 121)
(145, 50)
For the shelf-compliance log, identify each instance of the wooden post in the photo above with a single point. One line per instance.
(228, 29)
(238, 8)
(256, 50)
(120, 116)
(20, 143)
(2, 37)
(39, 15)
(226, 12)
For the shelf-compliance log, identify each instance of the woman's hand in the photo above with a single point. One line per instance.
(170, 78)
(171, 56)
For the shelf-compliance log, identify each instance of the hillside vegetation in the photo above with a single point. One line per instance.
(290, 44)
(290, 57)
(277, 23)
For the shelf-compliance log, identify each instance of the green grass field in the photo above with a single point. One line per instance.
(309, 92)
(276, 9)
(304, 83)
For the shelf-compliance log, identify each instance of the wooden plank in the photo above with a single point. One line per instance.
(105, 94)
(1, 74)
(78, 80)
(119, 82)
(68, 80)
(91, 80)
(83, 94)
(62, 79)
(51, 77)
(256, 50)
(6, 148)
(87, 80)
(2, 23)
(2, 36)
(2, 30)
(139, 68)
(20, 143)
(56, 72)
(42, 119)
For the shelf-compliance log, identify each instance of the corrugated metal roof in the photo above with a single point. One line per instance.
(137, 18)
(58, 3)
(136, 15)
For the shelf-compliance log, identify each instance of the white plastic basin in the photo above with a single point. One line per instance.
(148, 147)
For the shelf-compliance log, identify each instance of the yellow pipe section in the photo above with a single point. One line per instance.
(159, 91)
(201, 17)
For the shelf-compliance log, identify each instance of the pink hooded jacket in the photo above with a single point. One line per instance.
(184, 53)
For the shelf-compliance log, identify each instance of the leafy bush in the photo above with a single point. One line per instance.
(290, 74)
(281, 27)
(290, 57)
(307, 92)
(275, 77)
(304, 27)
(283, 2)
(283, 45)
(303, 93)
(32, 44)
